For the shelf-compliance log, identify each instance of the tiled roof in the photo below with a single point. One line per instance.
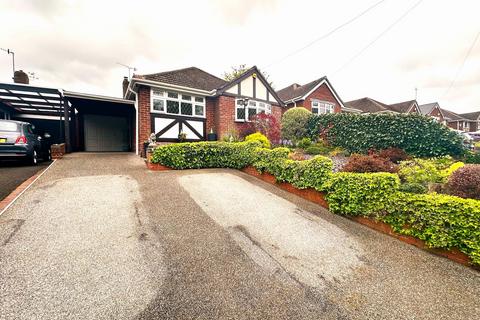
(401, 107)
(295, 90)
(450, 115)
(188, 77)
(471, 115)
(368, 105)
(427, 108)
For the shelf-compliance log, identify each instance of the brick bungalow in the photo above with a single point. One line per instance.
(369, 105)
(432, 110)
(195, 102)
(317, 96)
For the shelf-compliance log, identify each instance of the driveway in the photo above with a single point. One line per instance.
(13, 173)
(100, 237)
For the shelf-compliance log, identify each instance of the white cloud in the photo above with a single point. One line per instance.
(76, 44)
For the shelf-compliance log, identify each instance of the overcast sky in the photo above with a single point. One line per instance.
(75, 45)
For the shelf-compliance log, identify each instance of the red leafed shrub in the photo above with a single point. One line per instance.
(266, 124)
(370, 163)
(465, 182)
(393, 154)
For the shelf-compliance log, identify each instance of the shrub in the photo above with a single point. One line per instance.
(197, 155)
(266, 124)
(413, 188)
(360, 194)
(231, 136)
(268, 160)
(297, 155)
(465, 182)
(393, 154)
(357, 133)
(313, 173)
(425, 171)
(442, 221)
(371, 163)
(294, 123)
(472, 157)
(305, 143)
(257, 136)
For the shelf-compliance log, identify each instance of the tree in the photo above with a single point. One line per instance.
(236, 72)
(294, 123)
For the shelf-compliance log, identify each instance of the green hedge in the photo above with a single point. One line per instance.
(442, 221)
(198, 155)
(361, 194)
(357, 133)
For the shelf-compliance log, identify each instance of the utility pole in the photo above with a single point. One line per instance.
(8, 51)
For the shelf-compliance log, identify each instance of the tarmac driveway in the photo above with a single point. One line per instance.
(13, 173)
(100, 237)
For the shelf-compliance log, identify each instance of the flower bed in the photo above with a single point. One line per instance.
(441, 221)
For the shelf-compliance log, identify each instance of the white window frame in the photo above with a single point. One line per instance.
(260, 106)
(179, 99)
(327, 106)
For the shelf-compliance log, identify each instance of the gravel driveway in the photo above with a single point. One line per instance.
(100, 237)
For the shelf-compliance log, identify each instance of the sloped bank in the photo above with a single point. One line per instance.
(445, 225)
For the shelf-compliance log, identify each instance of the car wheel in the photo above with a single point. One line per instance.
(34, 158)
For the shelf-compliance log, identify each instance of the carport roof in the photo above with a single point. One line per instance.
(30, 99)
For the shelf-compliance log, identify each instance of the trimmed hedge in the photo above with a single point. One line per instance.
(358, 133)
(313, 173)
(361, 194)
(197, 155)
(442, 221)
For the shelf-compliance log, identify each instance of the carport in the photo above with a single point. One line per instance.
(84, 122)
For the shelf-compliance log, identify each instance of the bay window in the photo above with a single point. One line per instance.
(176, 103)
(245, 113)
(322, 107)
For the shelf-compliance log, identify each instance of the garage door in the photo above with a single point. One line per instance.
(106, 133)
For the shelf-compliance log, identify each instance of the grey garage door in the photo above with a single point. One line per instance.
(106, 133)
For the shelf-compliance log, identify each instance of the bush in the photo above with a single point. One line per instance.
(260, 138)
(198, 155)
(372, 163)
(393, 154)
(413, 188)
(305, 143)
(442, 221)
(425, 171)
(360, 194)
(357, 133)
(472, 157)
(294, 123)
(266, 124)
(465, 182)
(268, 160)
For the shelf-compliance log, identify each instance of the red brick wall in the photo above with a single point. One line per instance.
(453, 125)
(436, 113)
(144, 128)
(210, 107)
(225, 116)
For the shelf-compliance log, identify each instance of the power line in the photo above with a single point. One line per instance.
(379, 36)
(326, 35)
(459, 70)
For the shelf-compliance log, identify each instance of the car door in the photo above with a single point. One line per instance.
(33, 138)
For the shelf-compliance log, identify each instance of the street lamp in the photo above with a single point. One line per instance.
(244, 102)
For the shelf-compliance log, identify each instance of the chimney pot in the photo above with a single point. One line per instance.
(125, 85)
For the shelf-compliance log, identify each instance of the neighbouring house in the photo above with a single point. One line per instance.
(432, 110)
(473, 119)
(318, 96)
(369, 105)
(193, 102)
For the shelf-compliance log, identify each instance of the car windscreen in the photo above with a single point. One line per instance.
(8, 126)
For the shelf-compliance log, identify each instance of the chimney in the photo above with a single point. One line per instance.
(20, 77)
(125, 85)
(296, 85)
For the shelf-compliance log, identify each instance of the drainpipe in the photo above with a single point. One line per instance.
(136, 118)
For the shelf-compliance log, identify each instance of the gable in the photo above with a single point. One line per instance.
(324, 92)
(253, 85)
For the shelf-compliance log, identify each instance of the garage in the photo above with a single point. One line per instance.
(106, 133)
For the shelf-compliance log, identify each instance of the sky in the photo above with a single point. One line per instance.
(387, 52)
